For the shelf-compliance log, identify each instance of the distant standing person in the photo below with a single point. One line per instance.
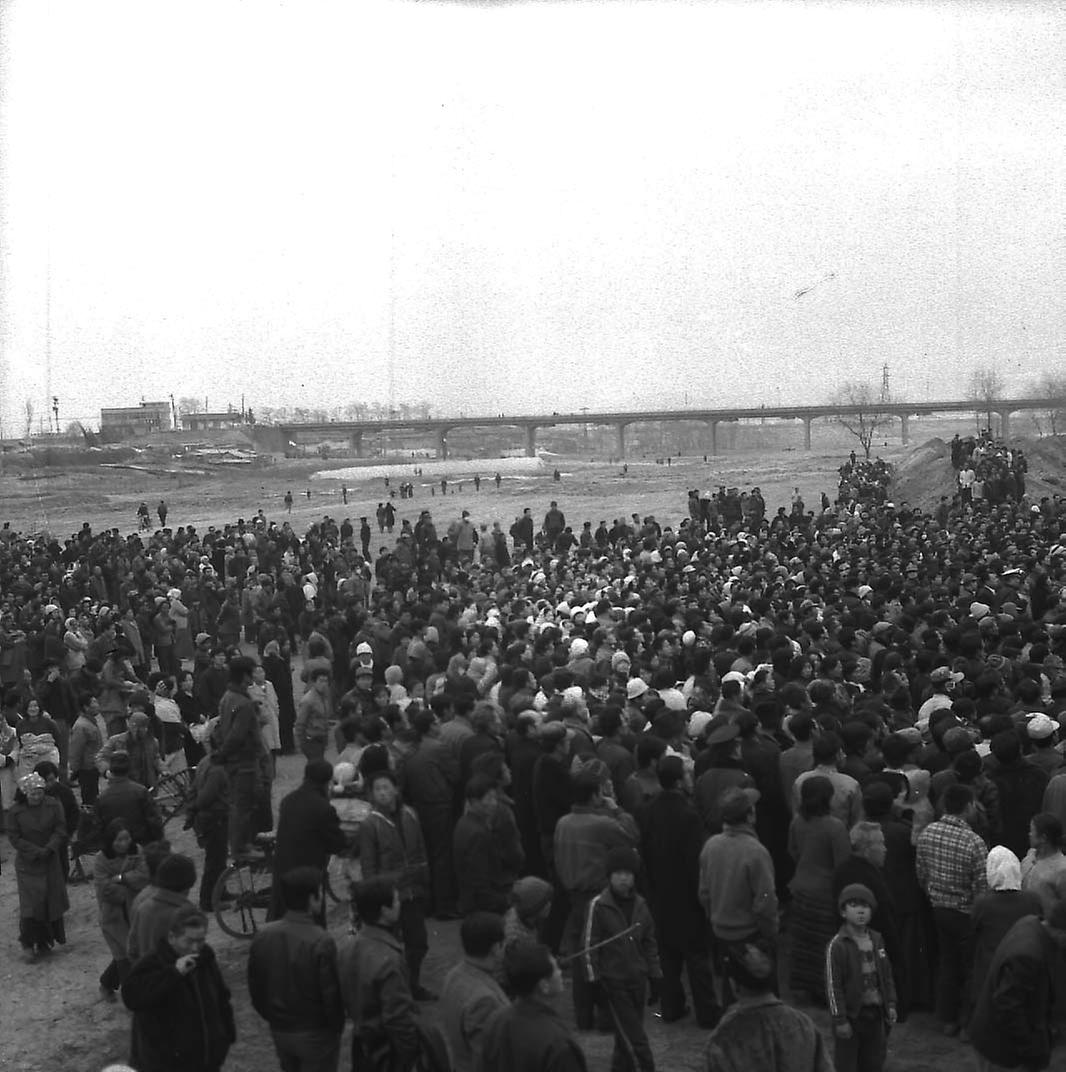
(161, 510)
(344, 493)
(288, 502)
(498, 479)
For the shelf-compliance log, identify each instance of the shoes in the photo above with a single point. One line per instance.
(420, 993)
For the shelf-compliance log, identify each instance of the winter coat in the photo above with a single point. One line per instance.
(181, 1023)
(393, 847)
(37, 834)
(631, 959)
(117, 880)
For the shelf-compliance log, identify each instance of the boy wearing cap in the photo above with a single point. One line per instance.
(626, 964)
(859, 985)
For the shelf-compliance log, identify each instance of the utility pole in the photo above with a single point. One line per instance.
(884, 382)
(55, 411)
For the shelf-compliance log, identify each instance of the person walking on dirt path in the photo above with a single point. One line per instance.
(161, 510)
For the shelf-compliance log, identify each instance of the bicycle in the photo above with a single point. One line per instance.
(171, 794)
(241, 897)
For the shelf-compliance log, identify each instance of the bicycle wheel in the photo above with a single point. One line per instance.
(241, 899)
(341, 873)
(171, 794)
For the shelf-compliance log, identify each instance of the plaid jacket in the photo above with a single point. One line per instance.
(951, 863)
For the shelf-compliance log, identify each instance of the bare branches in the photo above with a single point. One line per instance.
(866, 416)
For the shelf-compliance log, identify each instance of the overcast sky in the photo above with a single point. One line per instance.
(522, 207)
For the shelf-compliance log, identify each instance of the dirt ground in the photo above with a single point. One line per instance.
(51, 1014)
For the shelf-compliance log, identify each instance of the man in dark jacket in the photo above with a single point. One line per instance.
(130, 801)
(182, 1013)
(429, 776)
(530, 1035)
(241, 747)
(309, 831)
(485, 863)
(1011, 1025)
(374, 984)
(292, 977)
(672, 836)
(1021, 788)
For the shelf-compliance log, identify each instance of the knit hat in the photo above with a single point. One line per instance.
(857, 892)
(622, 859)
(530, 895)
(177, 873)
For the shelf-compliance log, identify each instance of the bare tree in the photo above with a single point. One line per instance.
(1051, 421)
(188, 404)
(986, 387)
(29, 417)
(865, 416)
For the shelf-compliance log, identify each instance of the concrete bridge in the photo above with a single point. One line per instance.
(620, 421)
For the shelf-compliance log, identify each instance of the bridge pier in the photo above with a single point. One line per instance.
(1004, 424)
(442, 444)
(807, 422)
(355, 441)
(904, 429)
(531, 441)
(621, 440)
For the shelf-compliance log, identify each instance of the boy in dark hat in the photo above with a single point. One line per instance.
(858, 981)
(626, 964)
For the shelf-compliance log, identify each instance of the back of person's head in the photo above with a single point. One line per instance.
(153, 854)
(479, 932)
(610, 721)
(240, 667)
(584, 786)
(1006, 747)
(422, 722)
(119, 764)
(318, 772)
(372, 896)
(957, 798)
(855, 737)
(826, 748)
(801, 726)
(177, 873)
(479, 787)
(525, 965)
(298, 886)
(895, 749)
(751, 966)
(816, 794)
(648, 749)
(671, 772)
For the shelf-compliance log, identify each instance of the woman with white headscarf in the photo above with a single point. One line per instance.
(997, 910)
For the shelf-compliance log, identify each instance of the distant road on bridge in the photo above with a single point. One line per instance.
(620, 420)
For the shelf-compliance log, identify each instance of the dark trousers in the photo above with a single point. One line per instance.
(212, 840)
(437, 829)
(555, 924)
(415, 938)
(585, 1005)
(89, 785)
(241, 808)
(954, 955)
(308, 1051)
(695, 958)
(114, 975)
(626, 1004)
(865, 1051)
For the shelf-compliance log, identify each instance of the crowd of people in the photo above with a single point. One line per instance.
(680, 765)
(988, 470)
(863, 481)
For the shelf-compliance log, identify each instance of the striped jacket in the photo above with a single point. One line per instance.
(843, 976)
(631, 959)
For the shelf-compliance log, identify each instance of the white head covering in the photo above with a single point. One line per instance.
(1003, 869)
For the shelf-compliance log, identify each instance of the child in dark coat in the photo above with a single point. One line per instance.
(626, 965)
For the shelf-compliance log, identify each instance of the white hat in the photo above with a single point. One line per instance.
(364, 649)
(1040, 727)
(698, 723)
(734, 675)
(579, 647)
(635, 688)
